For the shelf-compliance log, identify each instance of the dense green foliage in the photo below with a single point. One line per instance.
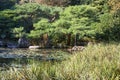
(64, 23)
(24, 16)
(86, 20)
(6, 4)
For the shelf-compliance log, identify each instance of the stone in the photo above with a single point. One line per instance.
(78, 48)
(2, 44)
(23, 42)
(34, 47)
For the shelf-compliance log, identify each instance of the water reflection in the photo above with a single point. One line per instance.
(23, 57)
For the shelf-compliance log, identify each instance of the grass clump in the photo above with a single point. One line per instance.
(96, 62)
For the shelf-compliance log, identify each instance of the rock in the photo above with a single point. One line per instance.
(69, 50)
(34, 47)
(78, 48)
(2, 44)
(23, 43)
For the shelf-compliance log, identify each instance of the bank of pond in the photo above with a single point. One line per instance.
(95, 62)
(18, 57)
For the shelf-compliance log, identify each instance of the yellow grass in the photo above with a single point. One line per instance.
(96, 62)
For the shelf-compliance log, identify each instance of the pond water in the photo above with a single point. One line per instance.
(18, 57)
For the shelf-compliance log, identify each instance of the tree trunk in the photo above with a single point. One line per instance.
(46, 40)
(68, 39)
(75, 42)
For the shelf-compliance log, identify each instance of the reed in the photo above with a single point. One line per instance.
(96, 62)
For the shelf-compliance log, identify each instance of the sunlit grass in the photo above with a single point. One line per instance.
(96, 62)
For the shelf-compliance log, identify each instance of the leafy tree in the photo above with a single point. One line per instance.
(36, 12)
(115, 10)
(115, 5)
(24, 15)
(77, 20)
(48, 2)
(109, 25)
(42, 27)
(6, 22)
(86, 19)
(80, 2)
(18, 32)
(6, 4)
(61, 31)
(104, 27)
(43, 31)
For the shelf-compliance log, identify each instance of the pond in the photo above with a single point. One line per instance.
(23, 56)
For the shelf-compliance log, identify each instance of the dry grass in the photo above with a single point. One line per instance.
(96, 62)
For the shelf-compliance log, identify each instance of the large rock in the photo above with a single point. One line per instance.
(34, 47)
(76, 48)
(2, 43)
(23, 42)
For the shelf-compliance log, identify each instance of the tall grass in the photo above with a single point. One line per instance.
(96, 62)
